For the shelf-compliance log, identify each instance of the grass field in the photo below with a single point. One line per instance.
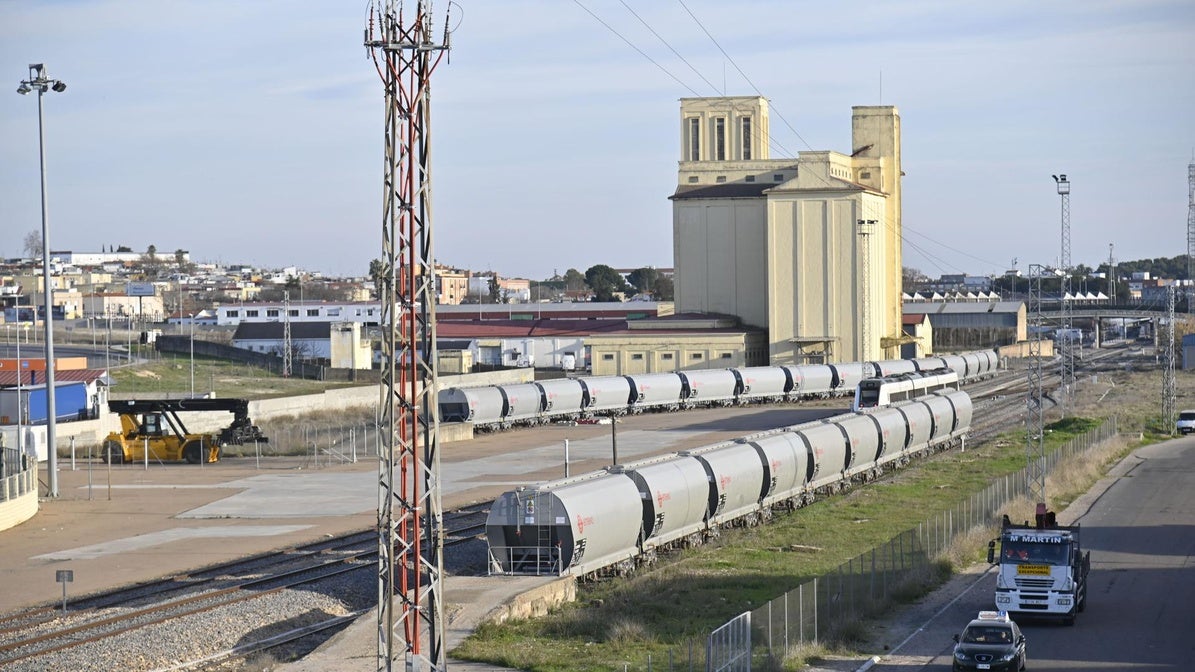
(171, 374)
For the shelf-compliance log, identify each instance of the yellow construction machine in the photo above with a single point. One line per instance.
(153, 426)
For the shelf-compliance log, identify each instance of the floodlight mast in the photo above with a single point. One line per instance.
(410, 540)
(1067, 342)
(38, 81)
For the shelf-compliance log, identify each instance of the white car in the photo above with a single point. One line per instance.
(1186, 422)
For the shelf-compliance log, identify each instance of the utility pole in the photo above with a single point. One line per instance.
(1067, 343)
(410, 519)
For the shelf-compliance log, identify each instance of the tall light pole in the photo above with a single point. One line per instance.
(39, 82)
(1068, 345)
(192, 318)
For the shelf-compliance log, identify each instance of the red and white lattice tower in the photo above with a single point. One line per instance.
(410, 519)
(1190, 293)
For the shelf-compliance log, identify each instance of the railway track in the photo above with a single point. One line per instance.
(288, 601)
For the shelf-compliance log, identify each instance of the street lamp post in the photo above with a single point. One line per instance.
(192, 318)
(39, 82)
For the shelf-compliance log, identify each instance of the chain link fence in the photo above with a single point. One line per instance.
(316, 444)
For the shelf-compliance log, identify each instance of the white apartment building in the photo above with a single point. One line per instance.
(358, 312)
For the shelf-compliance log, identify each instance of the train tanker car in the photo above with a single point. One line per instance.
(610, 521)
(502, 406)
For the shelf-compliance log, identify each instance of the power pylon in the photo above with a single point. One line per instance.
(1190, 293)
(410, 518)
(1168, 393)
(1035, 451)
(286, 342)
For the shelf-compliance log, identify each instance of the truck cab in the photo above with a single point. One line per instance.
(1042, 571)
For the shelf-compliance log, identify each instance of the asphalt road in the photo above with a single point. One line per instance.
(1141, 599)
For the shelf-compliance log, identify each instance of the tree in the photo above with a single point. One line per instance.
(123, 248)
(573, 280)
(912, 279)
(644, 279)
(605, 282)
(377, 273)
(33, 243)
(664, 289)
(495, 289)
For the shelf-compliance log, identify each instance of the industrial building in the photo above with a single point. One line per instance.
(808, 249)
(962, 325)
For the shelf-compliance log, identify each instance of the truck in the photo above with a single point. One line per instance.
(1042, 568)
(154, 425)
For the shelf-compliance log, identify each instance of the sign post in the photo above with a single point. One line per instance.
(64, 576)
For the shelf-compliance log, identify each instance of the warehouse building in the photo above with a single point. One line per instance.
(959, 326)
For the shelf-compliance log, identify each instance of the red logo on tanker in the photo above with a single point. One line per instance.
(583, 521)
(662, 497)
(724, 481)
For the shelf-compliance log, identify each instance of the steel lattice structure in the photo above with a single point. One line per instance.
(1190, 293)
(410, 518)
(286, 342)
(1066, 344)
(1035, 451)
(1168, 394)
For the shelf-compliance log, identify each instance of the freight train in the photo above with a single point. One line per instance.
(503, 406)
(610, 521)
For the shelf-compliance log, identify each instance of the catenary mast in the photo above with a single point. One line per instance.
(410, 519)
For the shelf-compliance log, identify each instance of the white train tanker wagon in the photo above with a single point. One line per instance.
(942, 414)
(863, 440)
(574, 526)
(930, 363)
(606, 394)
(957, 364)
(810, 380)
(482, 406)
(993, 361)
(523, 402)
(920, 422)
(830, 454)
(674, 494)
(895, 367)
(847, 375)
(562, 397)
(894, 435)
(763, 383)
(734, 472)
(655, 390)
(712, 386)
(788, 466)
(976, 366)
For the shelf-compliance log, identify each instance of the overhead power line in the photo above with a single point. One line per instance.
(642, 53)
(740, 71)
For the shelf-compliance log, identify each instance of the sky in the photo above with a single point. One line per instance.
(252, 131)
